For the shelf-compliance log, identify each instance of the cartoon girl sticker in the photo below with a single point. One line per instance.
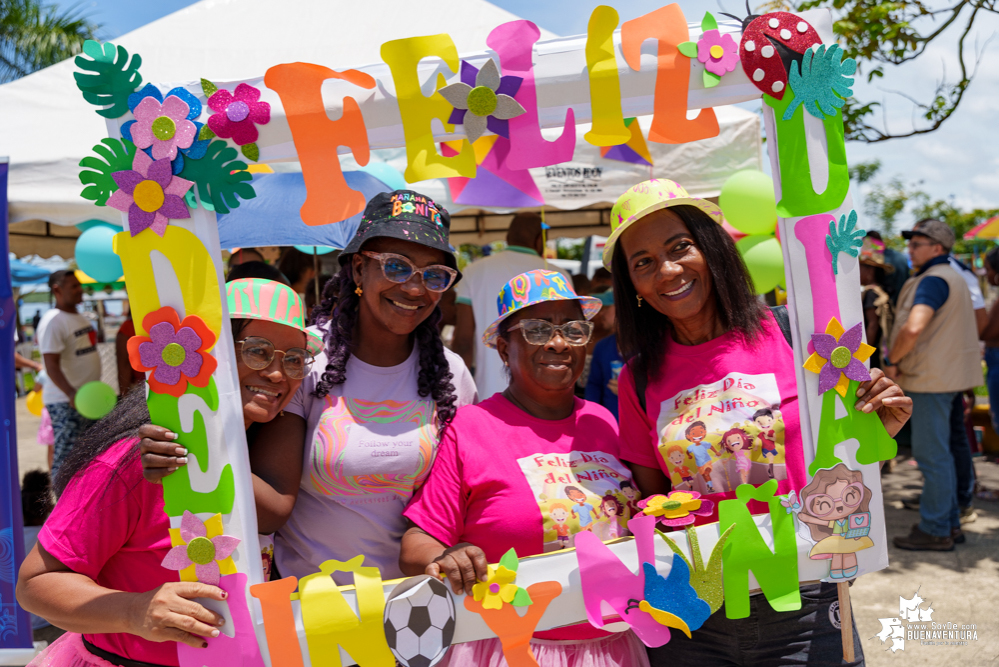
(632, 496)
(611, 509)
(764, 419)
(737, 442)
(836, 507)
(700, 449)
(559, 515)
(677, 456)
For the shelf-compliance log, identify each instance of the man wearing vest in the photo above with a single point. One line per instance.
(934, 355)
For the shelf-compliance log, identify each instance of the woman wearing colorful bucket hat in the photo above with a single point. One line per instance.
(696, 338)
(475, 505)
(96, 570)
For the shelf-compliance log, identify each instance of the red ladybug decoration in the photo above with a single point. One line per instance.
(770, 43)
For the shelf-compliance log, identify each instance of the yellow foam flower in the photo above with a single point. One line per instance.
(496, 589)
(675, 506)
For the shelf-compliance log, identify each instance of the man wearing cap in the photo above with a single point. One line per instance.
(934, 354)
(478, 291)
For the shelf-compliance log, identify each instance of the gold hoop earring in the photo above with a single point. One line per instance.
(639, 300)
(358, 291)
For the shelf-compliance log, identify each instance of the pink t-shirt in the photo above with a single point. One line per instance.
(548, 481)
(110, 525)
(729, 391)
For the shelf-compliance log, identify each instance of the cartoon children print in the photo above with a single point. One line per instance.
(836, 506)
(632, 496)
(559, 514)
(609, 526)
(583, 511)
(716, 436)
(737, 443)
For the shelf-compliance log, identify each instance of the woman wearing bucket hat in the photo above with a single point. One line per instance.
(96, 570)
(475, 505)
(697, 337)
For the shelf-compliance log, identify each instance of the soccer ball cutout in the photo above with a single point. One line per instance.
(419, 621)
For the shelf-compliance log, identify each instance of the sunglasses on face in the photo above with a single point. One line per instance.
(258, 354)
(540, 332)
(399, 269)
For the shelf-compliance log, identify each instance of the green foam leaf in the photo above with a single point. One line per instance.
(219, 177)
(108, 77)
(509, 560)
(192, 201)
(97, 177)
(708, 22)
(688, 49)
(205, 133)
(208, 87)
(249, 151)
(522, 598)
(711, 79)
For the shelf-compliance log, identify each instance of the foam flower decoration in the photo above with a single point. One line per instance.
(150, 194)
(200, 550)
(237, 114)
(197, 149)
(164, 127)
(499, 587)
(839, 357)
(483, 100)
(718, 52)
(175, 352)
(678, 508)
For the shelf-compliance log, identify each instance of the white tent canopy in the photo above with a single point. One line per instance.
(48, 127)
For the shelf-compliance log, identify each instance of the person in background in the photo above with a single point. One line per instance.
(256, 269)
(580, 283)
(933, 352)
(477, 292)
(36, 505)
(21, 361)
(605, 367)
(242, 255)
(46, 436)
(300, 269)
(877, 304)
(127, 376)
(990, 335)
(68, 344)
(897, 260)
(601, 281)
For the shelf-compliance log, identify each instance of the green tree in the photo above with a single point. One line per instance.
(34, 36)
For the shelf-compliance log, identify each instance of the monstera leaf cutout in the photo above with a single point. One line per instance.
(220, 178)
(117, 156)
(108, 77)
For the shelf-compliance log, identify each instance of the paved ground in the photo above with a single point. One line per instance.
(961, 586)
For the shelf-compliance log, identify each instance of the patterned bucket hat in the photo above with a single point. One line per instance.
(640, 200)
(872, 253)
(534, 287)
(259, 299)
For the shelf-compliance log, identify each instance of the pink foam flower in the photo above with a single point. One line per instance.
(200, 550)
(722, 59)
(165, 126)
(237, 115)
(150, 194)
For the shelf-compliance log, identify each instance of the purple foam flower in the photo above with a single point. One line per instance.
(172, 354)
(719, 60)
(237, 114)
(839, 356)
(483, 100)
(200, 550)
(150, 194)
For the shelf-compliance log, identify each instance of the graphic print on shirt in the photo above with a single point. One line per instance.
(579, 491)
(364, 448)
(717, 436)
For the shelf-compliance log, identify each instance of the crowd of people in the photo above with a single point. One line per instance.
(560, 377)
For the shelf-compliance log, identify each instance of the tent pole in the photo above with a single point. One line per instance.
(315, 270)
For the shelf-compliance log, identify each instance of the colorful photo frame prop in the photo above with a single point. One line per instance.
(172, 162)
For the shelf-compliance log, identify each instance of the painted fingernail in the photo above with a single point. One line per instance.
(224, 595)
(180, 451)
(171, 469)
(171, 435)
(182, 460)
(204, 644)
(221, 622)
(215, 633)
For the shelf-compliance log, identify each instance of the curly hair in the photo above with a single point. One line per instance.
(336, 317)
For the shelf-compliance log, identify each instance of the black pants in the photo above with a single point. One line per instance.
(808, 636)
(960, 449)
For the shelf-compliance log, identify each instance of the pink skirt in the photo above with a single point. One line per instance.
(68, 651)
(623, 649)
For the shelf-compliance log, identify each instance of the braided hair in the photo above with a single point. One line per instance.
(336, 317)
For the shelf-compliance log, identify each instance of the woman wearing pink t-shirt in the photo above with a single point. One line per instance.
(96, 569)
(704, 350)
(556, 473)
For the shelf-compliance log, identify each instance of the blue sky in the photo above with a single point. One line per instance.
(957, 162)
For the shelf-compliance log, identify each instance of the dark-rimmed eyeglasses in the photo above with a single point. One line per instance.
(541, 332)
(258, 353)
(399, 269)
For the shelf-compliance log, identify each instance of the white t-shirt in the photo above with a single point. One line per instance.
(71, 336)
(480, 285)
(369, 444)
(977, 299)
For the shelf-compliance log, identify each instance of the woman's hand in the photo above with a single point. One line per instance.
(612, 385)
(169, 613)
(160, 454)
(884, 396)
(463, 565)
